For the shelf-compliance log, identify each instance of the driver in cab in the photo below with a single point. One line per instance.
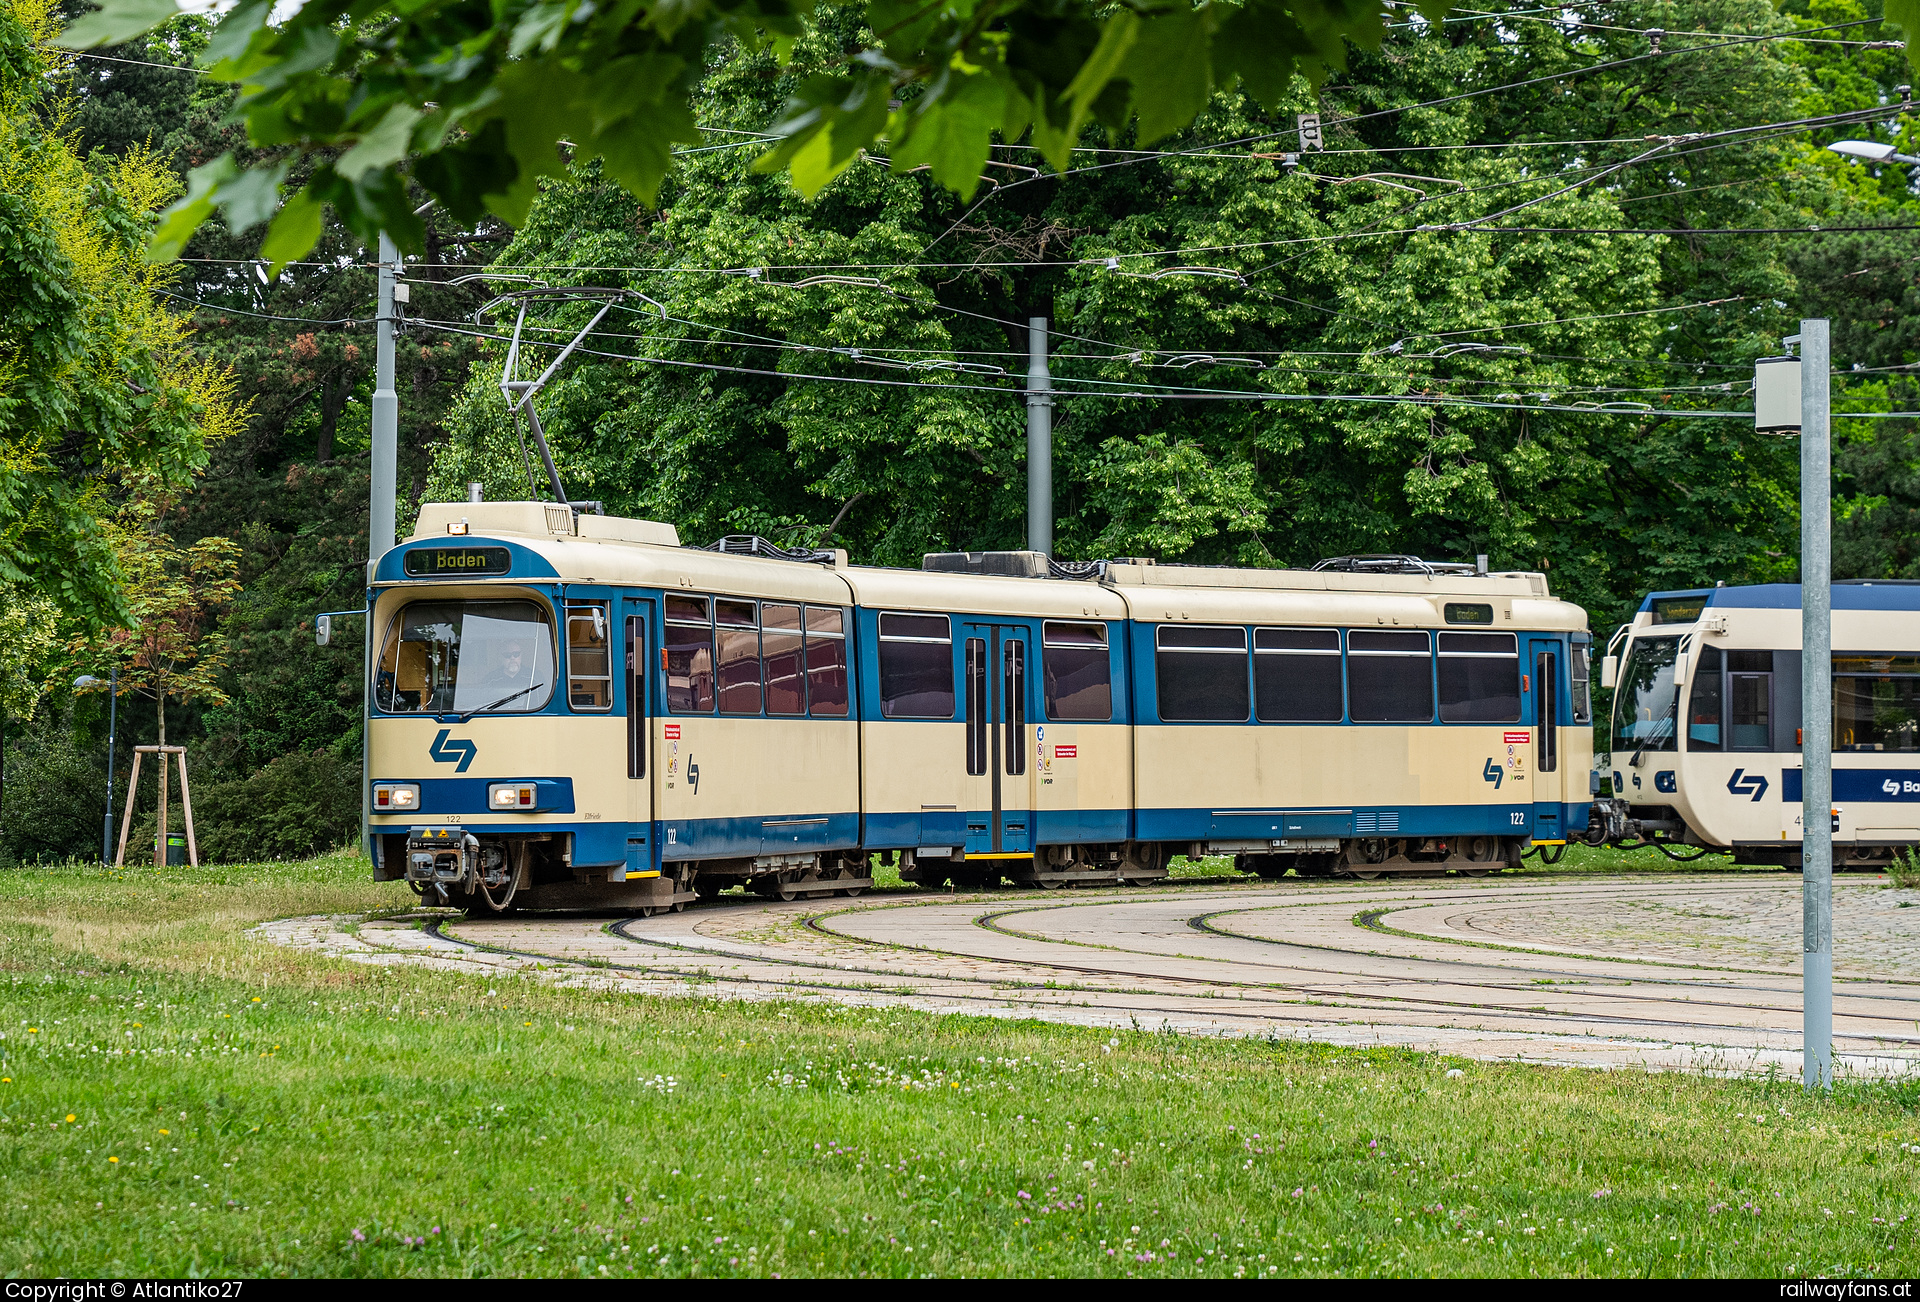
(513, 675)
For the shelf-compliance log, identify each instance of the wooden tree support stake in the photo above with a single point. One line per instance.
(186, 804)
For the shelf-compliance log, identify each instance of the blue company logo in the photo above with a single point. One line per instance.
(693, 774)
(1665, 783)
(1493, 773)
(1752, 784)
(446, 752)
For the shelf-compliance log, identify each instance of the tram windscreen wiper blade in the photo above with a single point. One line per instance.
(497, 704)
(1661, 729)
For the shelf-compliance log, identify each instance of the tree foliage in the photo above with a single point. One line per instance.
(478, 97)
(1309, 391)
(174, 649)
(99, 385)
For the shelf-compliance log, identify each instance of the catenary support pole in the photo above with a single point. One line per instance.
(1816, 708)
(1039, 440)
(386, 417)
(385, 485)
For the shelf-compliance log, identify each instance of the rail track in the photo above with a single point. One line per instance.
(1696, 973)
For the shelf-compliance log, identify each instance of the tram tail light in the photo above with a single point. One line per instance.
(512, 795)
(396, 797)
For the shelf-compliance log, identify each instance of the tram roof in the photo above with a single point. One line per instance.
(645, 553)
(1848, 594)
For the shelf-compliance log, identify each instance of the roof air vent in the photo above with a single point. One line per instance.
(1021, 565)
(1390, 563)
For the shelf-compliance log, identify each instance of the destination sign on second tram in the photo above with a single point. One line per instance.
(450, 562)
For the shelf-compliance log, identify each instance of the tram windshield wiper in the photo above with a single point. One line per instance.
(1661, 730)
(497, 704)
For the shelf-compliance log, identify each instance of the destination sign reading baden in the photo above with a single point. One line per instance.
(442, 562)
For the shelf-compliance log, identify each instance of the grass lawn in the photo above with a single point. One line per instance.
(176, 1099)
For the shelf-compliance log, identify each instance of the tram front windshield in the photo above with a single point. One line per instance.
(461, 656)
(1645, 700)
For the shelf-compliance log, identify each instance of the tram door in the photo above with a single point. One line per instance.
(643, 855)
(997, 665)
(1545, 665)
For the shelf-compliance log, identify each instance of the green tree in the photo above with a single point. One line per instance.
(98, 384)
(366, 88)
(1198, 415)
(173, 651)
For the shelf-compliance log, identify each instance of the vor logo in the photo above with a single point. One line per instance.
(1751, 784)
(1493, 773)
(446, 752)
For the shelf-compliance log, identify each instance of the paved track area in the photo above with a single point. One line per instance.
(1692, 973)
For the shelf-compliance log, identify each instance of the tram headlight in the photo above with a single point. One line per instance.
(396, 797)
(512, 795)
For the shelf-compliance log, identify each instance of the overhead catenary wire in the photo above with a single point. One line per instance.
(1146, 392)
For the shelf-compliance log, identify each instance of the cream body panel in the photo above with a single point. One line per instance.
(1098, 776)
(754, 767)
(592, 750)
(915, 766)
(1272, 766)
(1720, 817)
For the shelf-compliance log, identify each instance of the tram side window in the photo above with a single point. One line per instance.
(1201, 673)
(1580, 671)
(589, 656)
(827, 661)
(916, 667)
(689, 655)
(1296, 675)
(1389, 677)
(1703, 710)
(1876, 703)
(780, 649)
(1750, 698)
(738, 625)
(1079, 672)
(1480, 678)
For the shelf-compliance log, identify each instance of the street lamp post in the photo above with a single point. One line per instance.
(113, 718)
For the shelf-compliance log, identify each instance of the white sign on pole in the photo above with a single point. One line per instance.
(1310, 131)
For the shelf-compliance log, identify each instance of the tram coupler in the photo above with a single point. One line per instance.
(1612, 822)
(442, 856)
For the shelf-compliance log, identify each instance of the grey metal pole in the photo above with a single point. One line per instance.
(1039, 440)
(386, 418)
(380, 502)
(1816, 708)
(113, 721)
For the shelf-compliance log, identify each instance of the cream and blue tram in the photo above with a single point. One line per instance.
(1706, 725)
(570, 710)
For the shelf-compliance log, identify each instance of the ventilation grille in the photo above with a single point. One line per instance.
(1373, 824)
(559, 518)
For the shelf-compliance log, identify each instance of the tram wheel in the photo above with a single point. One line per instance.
(1473, 872)
(1367, 875)
(646, 910)
(784, 890)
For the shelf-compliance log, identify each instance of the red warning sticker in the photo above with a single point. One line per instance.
(1066, 752)
(673, 732)
(1518, 736)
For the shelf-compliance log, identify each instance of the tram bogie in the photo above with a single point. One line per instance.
(571, 711)
(1706, 729)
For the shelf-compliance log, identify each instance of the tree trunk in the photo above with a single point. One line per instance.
(333, 398)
